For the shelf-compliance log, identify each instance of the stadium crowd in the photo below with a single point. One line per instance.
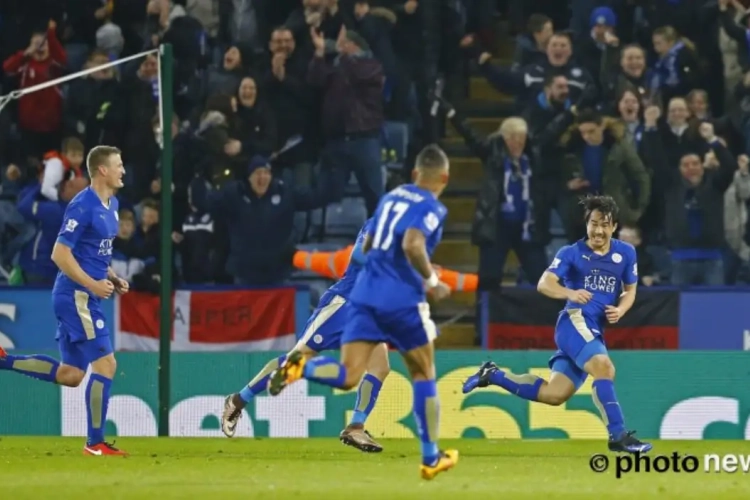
(280, 103)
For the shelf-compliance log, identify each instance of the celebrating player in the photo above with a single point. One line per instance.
(388, 303)
(591, 275)
(323, 332)
(83, 252)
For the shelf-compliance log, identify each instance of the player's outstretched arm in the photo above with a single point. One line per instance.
(62, 256)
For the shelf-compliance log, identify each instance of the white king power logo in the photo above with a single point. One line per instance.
(105, 247)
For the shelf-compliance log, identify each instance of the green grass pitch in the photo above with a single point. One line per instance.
(323, 469)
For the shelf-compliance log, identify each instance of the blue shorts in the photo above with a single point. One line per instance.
(405, 329)
(324, 328)
(578, 340)
(82, 333)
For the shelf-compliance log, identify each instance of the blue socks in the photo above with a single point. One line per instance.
(524, 386)
(605, 399)
(367, 394)
(426, 414)
(260, 383)
(97, 400)
(326, 371)
(36, 366)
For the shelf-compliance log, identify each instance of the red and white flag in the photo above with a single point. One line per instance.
(228, 320)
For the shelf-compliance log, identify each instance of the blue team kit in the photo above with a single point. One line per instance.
(580, 328)
(89, 229)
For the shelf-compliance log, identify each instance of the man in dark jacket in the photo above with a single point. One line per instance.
(548, 117)
(35, 258)
(528, 81)
(352, 112)
(531, 46)
(259, 213)
(601, 161)
(505, 215)
(695, 213)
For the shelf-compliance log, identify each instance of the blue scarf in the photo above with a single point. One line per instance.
(666, 72)
(638, 136)
(545, 104)
(516, 188)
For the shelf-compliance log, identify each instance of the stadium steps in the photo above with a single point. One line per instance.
(457, 336)
(483, 125)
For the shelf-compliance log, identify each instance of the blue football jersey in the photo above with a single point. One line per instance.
(388, 281)
(89, 228)
(578, 267)
(344, 286)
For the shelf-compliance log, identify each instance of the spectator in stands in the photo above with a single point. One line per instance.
(161, 13)
(679, 133)
(531, 47)
(40, 112)
(375, 26)
(507, 201)
(646, 271)
(324, 16)
(35, 259)
(735, 31)
(140, 95)
(676, 72)
(15, 230)
(591, 48)
(695, 212)
(645, 138)
(259, 212)
(626, 67)
(148, 247)
(219, 130)
(226, 79)
(352, 112)
(735, 220)
(60, 166)
(547, 118)
(291, 102)
(196, 243)
(126, 261)
(256, 124)
(93, 110)
(697, 101)
(600, 160)
(527, 82)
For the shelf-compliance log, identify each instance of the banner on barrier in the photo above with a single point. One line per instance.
(28, 322)
(669, 395)
(715, 320)
(522, 318)
(237, 320)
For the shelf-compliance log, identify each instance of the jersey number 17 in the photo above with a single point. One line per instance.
(392, 212)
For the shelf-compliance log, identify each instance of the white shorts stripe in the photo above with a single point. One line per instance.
(429, 325)
(579, 323)
(324, 315)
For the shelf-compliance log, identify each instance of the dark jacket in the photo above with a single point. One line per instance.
(353, 99)
(492, 151)
(35, 257)
(710, 198)
(260, 228)
(624, 177)
(527, 82)
(738, 34)
(527, 52)
(547, 123)
(613, 80)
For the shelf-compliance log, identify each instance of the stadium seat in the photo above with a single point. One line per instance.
(395, 138)
(345, 218)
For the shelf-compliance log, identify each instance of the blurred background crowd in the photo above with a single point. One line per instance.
(293, 116)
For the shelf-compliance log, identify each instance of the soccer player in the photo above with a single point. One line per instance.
(323, 332)
(388, 303)
(83, 252)
(597, 277)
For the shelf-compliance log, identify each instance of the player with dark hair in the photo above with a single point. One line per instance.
(83, 253)
(389, 304)
(597, 277)
(322, 333)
